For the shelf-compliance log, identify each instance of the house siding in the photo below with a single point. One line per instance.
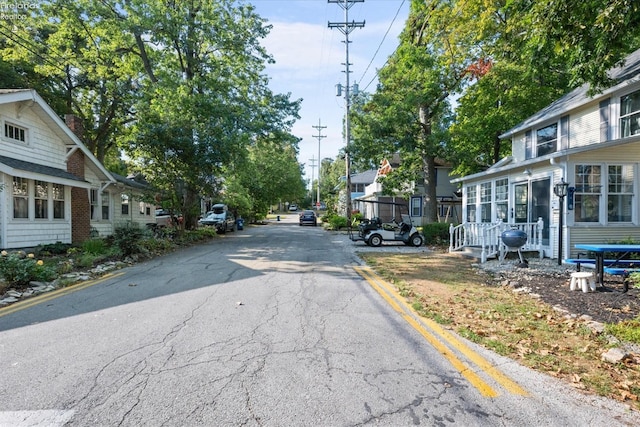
(134, 215)
(42, 146)
(586, 235)
(584, 127)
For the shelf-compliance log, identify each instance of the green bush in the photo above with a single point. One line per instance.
(95, 246)
(156, 245)
(335, 221)
(57, 248)
(18, 269)
(127, 237)
(436, 233)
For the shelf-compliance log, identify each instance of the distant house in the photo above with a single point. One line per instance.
(53, 188)
(590, 142)
(448, 203)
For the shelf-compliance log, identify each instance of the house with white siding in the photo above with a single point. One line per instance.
(52, 188)
(590, 142)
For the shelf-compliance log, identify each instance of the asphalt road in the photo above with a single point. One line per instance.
(275, 325)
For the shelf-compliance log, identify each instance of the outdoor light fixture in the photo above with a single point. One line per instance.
(560, 190)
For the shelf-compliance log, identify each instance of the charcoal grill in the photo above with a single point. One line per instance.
(514, 240)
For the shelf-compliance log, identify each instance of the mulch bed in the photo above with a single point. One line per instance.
(608, 304)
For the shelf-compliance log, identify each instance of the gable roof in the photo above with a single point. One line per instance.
(29, 98)
(129, 182)
(623, 75)
(366, 177)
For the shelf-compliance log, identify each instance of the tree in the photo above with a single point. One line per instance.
(409, 114)
(591, 36)
(85, 60)
(270, 172)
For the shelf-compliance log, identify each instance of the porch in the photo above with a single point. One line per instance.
(485, 238)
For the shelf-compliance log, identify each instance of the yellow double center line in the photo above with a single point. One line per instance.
(21, 305)
(399, 304)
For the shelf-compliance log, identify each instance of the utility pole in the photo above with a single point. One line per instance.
(319, 136)
(313, 167)
(346, 28)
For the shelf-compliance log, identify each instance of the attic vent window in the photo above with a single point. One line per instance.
(15, 133)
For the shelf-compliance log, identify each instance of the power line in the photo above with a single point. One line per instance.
(378, 49)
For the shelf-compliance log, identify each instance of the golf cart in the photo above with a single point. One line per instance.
(396, 226)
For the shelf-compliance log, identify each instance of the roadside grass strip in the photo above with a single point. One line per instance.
(430, 330)
(21, 305)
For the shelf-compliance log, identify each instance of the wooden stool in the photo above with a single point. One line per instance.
(582, 280)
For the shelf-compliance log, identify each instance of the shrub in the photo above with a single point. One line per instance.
(57, 248)
(18, 269)
(336, 221)
(127, 238)
(95, 246)
(436, 233)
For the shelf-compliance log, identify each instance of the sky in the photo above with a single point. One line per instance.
(310, 59)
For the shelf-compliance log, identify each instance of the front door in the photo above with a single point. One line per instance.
(531, 201)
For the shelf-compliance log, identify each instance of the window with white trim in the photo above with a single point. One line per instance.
(124, 206)
(620, 193)
(57, 192)
(630, 114)
(588, 193)
(94, 203)
(502, 199)
(485, 202)
(472, 195)
(105, 205)
(15, 132)
(42, 199)
(20, 198)
(416, 206)
(547, 140)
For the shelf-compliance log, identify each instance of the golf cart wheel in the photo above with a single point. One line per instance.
(375, 240)
(416, 240)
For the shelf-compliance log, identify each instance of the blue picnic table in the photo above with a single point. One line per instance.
(616, 265)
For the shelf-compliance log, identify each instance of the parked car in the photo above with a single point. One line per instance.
(220, 218)
(308, 217)
(164, 218)
(293, 207)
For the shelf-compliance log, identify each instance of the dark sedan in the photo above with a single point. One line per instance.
(308, 217)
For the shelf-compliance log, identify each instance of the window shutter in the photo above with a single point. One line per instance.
(604, 120)
(528, 145)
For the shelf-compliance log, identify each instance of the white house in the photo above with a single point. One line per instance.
(53, 188)
(590, 142)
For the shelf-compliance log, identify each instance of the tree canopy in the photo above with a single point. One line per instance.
(179, 86)
(496, 62)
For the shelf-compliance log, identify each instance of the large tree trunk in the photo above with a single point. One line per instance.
(430, 213)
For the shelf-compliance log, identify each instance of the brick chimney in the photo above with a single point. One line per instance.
(80, 205)
(75, 124)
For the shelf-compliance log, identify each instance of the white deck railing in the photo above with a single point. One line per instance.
(486, 236)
